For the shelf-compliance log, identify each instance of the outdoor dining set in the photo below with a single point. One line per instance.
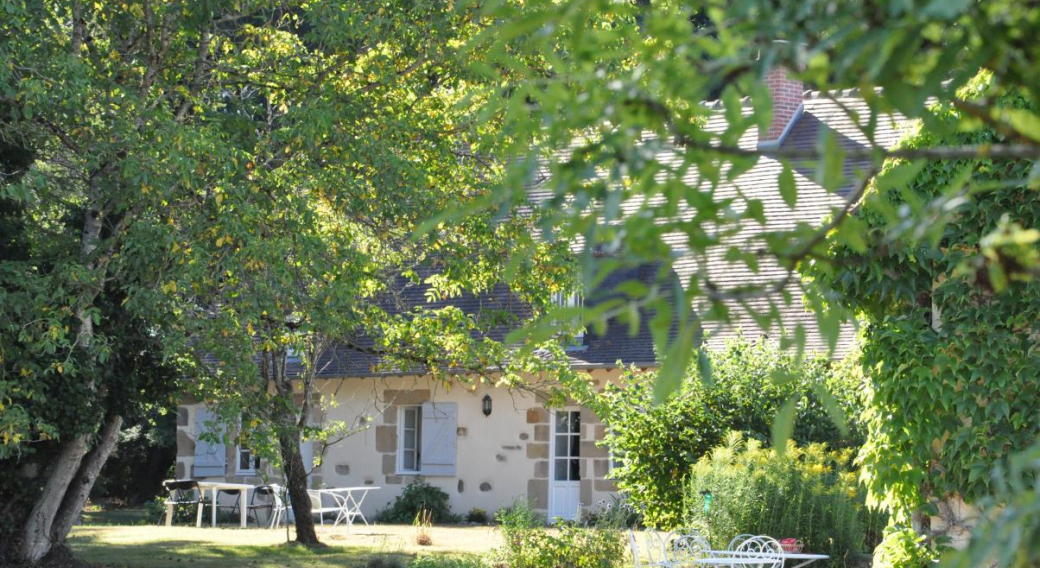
(270, 501)
(687, 549)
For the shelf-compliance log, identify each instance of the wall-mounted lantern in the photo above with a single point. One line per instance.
(486, 404)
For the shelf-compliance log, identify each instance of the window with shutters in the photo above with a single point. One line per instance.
(426, 437)
(409, 455)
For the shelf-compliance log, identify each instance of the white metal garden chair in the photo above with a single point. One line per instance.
(686, 548)
(652, 553)
(737, 540)
(763, 548)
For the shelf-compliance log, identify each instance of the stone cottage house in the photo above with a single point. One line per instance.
(486, 446)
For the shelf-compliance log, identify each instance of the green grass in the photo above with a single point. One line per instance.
(103, 542)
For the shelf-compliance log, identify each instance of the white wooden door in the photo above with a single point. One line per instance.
(565, 469)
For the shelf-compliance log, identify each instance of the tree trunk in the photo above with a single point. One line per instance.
(36, 537)
(296, 482)
(79, 490)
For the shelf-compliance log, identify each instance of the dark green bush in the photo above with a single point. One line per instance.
(418, 495)
(750, 382)
(477, 515)
(809, 493)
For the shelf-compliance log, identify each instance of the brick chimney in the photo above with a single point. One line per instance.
(786, 92)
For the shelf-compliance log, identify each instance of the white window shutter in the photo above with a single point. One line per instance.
(439, 424)
(210, 457)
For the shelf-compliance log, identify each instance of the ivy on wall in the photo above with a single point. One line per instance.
(952, 345)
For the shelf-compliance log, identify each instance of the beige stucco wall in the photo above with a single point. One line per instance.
(500, 457)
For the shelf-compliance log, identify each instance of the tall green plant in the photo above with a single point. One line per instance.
(657, 443)
(808, 493)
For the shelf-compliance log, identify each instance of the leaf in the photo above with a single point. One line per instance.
(704, 367)
(945, 9)
(783, 425)
(788, 190)
(899, 176)
(1023, 121)
(830, 404)
(676, 360)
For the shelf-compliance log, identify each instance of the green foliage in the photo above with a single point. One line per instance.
(1009, 532)
(418, 496)
(528, 544)
(384, 561)
(519, 515)
(809, 493)
(750, 382)
(904, 548)
(950, 345)
(448, 561)
(603, 98)
(477, 515)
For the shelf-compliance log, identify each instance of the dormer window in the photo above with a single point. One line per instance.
(572, 300)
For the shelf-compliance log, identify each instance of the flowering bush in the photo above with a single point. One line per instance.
(809, 493)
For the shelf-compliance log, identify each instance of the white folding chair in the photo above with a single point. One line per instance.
(317, 508)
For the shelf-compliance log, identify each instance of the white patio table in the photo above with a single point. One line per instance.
(805, 557)
(348, 500)
(215, 486)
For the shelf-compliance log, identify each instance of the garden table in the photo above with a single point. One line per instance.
(215, 486)
(804, 557)
(348, 501)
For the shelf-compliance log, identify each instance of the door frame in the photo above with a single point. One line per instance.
(552, 459)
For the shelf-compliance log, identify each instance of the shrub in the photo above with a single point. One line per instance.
(519, 515)
(384, 561)
(750, 382)
(615, 513)
(477, 515)
(808, 493)
(904, 548)
(528, 544)
(418, 495)
(450, 561)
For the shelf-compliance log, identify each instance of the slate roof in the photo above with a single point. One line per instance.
(813, 205)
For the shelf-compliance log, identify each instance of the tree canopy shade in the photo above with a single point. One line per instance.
(242, 180)
(594, 89)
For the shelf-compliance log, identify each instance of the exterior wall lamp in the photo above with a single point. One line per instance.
(486, 405)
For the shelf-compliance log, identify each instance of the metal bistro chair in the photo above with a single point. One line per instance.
(686, 547)
(763, 548)
(184, 492)
(652, 553)
(269, 498)
(733, 544)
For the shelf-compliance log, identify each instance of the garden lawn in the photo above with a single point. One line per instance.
(114, 546)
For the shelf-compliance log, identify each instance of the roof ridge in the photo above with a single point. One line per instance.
(745, 102)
